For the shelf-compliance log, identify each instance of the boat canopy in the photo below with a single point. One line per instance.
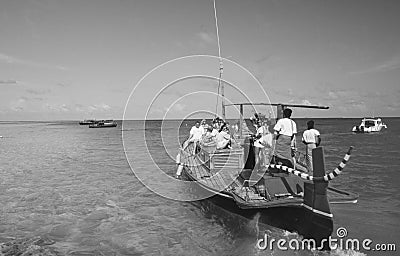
(279, 109)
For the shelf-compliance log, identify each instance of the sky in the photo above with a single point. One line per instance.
(73, 59)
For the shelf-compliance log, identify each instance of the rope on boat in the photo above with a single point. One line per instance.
(327, 177)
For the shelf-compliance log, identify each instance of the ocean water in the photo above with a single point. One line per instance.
(66, 189)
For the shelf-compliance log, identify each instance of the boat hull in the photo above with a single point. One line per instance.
(103, 125)
(87, 122)
(296, 218)
(369, 125)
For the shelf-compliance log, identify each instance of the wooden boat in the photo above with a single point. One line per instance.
(369, 124)
(87, 121)
(103, 124)
(288, 198)
(291, 199)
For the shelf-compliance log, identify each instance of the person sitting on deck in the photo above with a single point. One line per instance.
(224, 138)
(311, 138)
(204, 125)
(215, 127)
(208, 140)
(285, 136)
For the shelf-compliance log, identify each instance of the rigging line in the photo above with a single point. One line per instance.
(221, 67)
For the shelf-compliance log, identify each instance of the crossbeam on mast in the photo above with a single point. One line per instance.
(277, 104)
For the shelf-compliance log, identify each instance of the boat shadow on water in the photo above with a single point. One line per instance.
(256, 233)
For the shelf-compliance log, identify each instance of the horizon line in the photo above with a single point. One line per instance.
(177, 119)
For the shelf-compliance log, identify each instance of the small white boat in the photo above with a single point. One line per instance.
(103, 124)
(369, 124)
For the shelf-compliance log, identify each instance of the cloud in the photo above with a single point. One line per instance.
(389, 65)
(332, 95)
(60, 84)
(178, 107)
(263, 59)
(206, 37)
(358, 105)
(340, 94)
(38, 91)
(99, 108)
(57, 108)
(18, 105)
(14, 60)
(8, 82)
(395, 106)
(306, 102)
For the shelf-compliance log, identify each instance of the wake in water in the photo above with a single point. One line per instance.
(28, 246)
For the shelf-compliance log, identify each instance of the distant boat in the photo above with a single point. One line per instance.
(369, 124)
(103, 124)
(87, 122)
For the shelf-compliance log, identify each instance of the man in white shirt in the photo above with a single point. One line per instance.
(196, 132)
(285, 135)
(195, 135)
(311, 138)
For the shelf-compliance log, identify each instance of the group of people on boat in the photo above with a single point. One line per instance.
(217, 135)
(212, 136)
(263, 140)
(285, 135)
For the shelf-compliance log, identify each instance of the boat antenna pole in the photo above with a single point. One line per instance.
(221, 68)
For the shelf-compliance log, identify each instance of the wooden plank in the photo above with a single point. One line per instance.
(228, 176)
(204, 172)
(218, 183)
(225, 184)
(220, 180)
(196, 170)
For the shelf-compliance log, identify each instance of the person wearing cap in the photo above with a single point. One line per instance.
(311, 138)
(285, 135)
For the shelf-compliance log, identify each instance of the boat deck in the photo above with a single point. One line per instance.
(217, 180)
(222, 171)
(226, 176)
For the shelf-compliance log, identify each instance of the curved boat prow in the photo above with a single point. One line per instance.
(316, 200)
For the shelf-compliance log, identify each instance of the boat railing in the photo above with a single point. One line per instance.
(217, 159)
(301, 158)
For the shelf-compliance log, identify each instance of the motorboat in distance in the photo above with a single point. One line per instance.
(88, 122)
(103, 124)
(369, 124)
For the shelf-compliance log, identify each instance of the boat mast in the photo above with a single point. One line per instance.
(221, 70)
(221, 66)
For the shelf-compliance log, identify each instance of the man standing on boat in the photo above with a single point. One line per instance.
(285, 136)
(311, 137)
(196, 133)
